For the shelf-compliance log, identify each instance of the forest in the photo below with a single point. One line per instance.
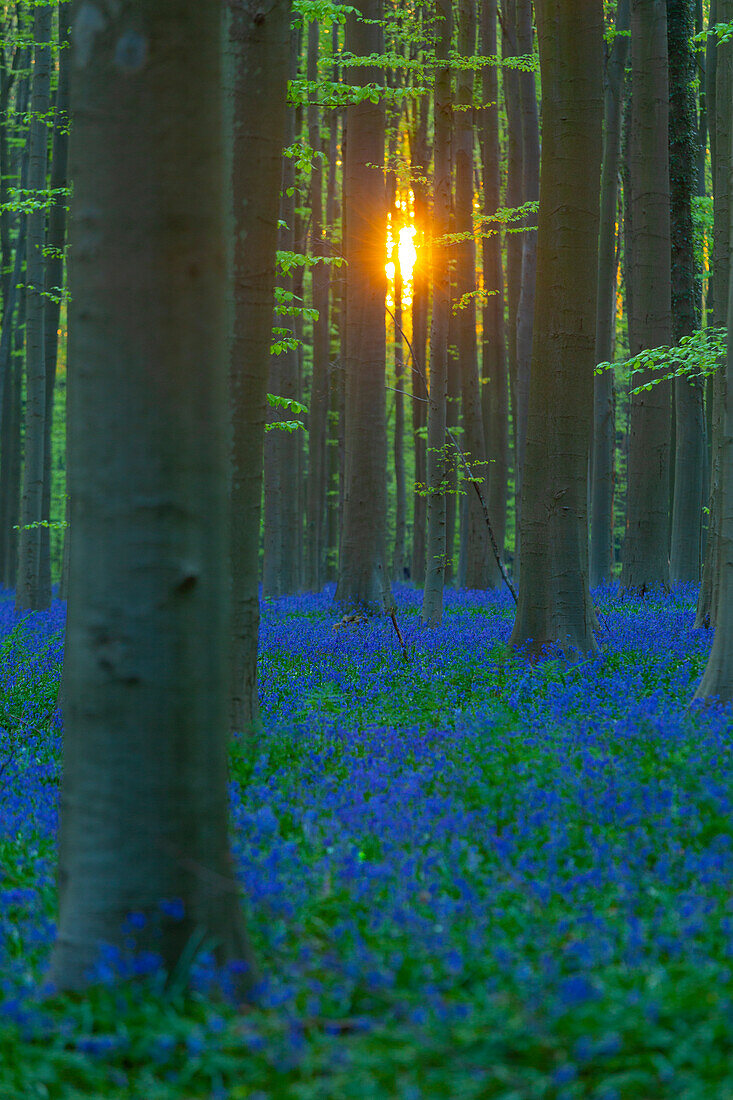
(366, 550)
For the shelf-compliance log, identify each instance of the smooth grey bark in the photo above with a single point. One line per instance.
(259, 52)
(717, 680)
(530, 193)
(315, 527)
(144, 794)
(604, 418)
(646, 545)
(363, 580)
(333, 518)
(435, 547)
(282, 530)
(475, 544)
(720, 121)
(399, 553)
(10, 469)
(554, 605)
(28, 592)
(55, 245)
(420, 157)
(494, 395)
(8, 78)
(686, 541)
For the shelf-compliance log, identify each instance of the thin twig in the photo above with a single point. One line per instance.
(459, 451)
(393, 617)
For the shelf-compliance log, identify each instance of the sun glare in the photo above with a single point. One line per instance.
(401, 249)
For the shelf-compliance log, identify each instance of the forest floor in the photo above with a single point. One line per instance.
(465, 876)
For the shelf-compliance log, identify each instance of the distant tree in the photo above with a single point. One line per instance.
(604, 426)
(259, 52)
(436, 543)
(28, 594)
(646, 545)
(363, 579)
(554, 600)
(144, 796)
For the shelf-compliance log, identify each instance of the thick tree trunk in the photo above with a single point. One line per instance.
(282, 533)
(363, 577)
(554, 600)
(259, 48)
(646, 546)
(604, 420)
(55, 245)
(333, 517)
(475, 545)
(398, 555)
(10, 471)
(318, 405)
(28, 594)
(432, 606)
(144, 798)
(495, 406)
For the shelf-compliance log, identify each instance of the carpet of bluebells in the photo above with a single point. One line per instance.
(465, 876)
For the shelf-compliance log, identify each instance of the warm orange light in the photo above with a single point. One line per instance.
(406, 251)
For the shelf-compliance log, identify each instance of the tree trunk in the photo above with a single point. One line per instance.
(398, 557)
(476, 545)
(530, 193)
(604, 426)
(363, 580)
(684, 564)
(282, 533)
(493, 347)
(144, 798)
(318, 405)
(420, 293)
(720, 93)
(55, 245)
(554, 600)
(513, 197)
(645, 554)
(28, 594)
(259, 49)
(432, 606)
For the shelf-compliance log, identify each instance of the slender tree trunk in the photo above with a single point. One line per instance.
(282, 533)
(604, 420)
(28, 594)
(493, 347)
(432, 606)
(55, 245)
(554, 599)
(689, 408)
(717, 680)
(10, 470)
(259, 48)
(420, 293)
(363, 577)
(513, 198)
(476, 544)
(144, 803)
(332, 442)
(452, 422)
(398, 557)
(318, 405)
(530, 193)
(720, 121)
(645, 554)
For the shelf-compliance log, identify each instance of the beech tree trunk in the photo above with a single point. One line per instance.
(432, 605)
(259, 48)
(646, 546)
(144, 796)
(420, 291)
(282, 521)
(363, 580)
(604, 418)
(554, 600)
(28, 593)
(494, 396)
(685, 550)
(318, 404)
(475, 546)
(530, 193)
(720, 121)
